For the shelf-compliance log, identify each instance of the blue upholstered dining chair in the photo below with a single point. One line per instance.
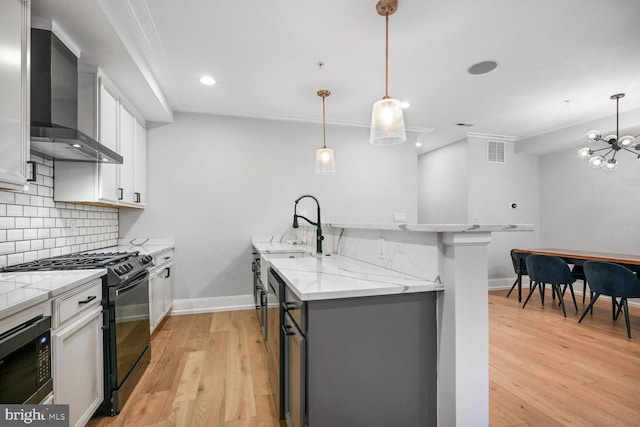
(519, 269)
(578, 273)
(545, 269)
(614, 280)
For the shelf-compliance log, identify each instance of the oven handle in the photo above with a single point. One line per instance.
(135, 282)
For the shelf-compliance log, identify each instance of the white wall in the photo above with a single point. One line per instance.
(488, 190)
(492, 189)
(443, 185)
(588, 209)
(214, 181)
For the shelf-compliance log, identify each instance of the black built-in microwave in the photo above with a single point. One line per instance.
(25, 362)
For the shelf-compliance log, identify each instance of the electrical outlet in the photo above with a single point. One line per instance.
(400, 216)
(381, 248)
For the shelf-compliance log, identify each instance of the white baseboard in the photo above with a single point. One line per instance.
(502, 283)
(212, 304)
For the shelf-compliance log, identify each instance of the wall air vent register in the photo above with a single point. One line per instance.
(495, 151)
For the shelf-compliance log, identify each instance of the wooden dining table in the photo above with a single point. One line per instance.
(575, 257)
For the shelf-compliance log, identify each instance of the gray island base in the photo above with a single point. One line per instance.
(372, 361)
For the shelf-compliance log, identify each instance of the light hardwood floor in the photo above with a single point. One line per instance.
(545, 370)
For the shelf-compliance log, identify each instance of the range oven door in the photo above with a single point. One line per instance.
(130, 302)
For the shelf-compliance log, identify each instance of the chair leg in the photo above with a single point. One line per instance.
(590, 299)
(589, 307)
(626, 315)
(542, 287)
(512, 287)
(557, 288)
(584, 290)
(553, 295)
(614, 306)
(574, 297)
(620, 307)
(530, 293)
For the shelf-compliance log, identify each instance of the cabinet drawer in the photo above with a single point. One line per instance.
(163, 257)
(78, 301)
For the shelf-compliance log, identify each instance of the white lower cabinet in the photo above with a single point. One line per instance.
(77, 357)
(161, 287)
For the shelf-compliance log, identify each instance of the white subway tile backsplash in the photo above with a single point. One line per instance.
(30, 211)
(23, 246)
(23, 223)
(7, 197)
(7, 222)
(23, 199)
(15, 258)
(14, 235)
(30, 234)
(14, 210)
(7, 248)
(33, 226)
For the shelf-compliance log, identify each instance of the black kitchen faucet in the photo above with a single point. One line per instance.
(319, 236)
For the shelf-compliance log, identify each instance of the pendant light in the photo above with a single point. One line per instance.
(387, 120)
(325, 160)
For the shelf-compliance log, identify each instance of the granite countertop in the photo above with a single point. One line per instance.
(19, 291)
(336, 276)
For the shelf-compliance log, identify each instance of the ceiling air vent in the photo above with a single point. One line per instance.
(495, 152)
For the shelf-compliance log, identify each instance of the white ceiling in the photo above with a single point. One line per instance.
(264, 57)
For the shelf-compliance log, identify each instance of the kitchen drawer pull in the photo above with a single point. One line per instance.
(168, 273)
(120, 193)
(167, 257)
(137, 197)
(88, 300)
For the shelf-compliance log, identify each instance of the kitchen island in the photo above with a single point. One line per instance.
(453, 256)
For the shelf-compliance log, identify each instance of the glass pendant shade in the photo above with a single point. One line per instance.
(584, 153)
(596, 162)
(325, 162)
(387, 123)
(593, 134)
(610, 165)
(610, 138)
(627, 140)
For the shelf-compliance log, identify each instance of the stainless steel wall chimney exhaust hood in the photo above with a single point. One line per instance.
(54, 104)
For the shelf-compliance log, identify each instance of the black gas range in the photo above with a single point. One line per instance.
(125, 301)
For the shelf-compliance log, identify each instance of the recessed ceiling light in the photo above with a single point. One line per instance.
(405, 104)
(418, 144)
(76, 145)
(483, 67)
(104, 159)
(466, 125)
(207, 80)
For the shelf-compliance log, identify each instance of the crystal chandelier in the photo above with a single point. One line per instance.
(615, 144)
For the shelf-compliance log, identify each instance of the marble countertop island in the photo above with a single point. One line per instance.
(336, 276)
(22, 290)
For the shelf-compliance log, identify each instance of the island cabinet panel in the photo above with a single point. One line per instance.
(370, 361)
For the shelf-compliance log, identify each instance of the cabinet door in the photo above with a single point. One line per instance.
(141, 165)
(78, 366)
(157, 303)
(14, 87)
(126, 132)
(108, 135)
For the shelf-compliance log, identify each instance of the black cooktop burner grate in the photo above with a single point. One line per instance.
(73, 262)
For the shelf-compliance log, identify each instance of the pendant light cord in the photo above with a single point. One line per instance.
(324, 129)
(617, 120)
(386, 58)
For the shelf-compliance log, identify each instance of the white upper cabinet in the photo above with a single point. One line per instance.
(15, 17)
(140, 186)
(117, 128)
